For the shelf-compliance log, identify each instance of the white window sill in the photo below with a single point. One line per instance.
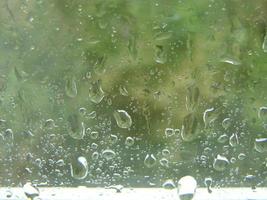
(82, 193)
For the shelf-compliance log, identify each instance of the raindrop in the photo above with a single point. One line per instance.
(168, 184)
(208, 184)
(79, 168)
(233, 160)
(169, 132)
(260, 145)
(95, 155)
(223, 138)
(233, 140)
(94, 135)
(96, 94)
(165, 152)
(160, 55)
(113, 139)
(220, 163)
(205, 116)
(129, 141)
(262, 113)
(241, 156)
(187, 186)
(150, 160)
(264, 44)
(226, 123)
(122, 118)
(123, 91)
(71, 88)
(108, 154)
(49, 124)
(30, 190)
(164, 162)
(231, 61)
(189, 128)
(76, 128)
(60, 163)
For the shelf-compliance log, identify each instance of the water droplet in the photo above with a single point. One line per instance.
(163, 36)
(49, 124)
(226, 123)
(122, 118)
(79, 168)
(231, 61)
(8, 193)
(233, 140)
(187, 186)
(205, 116)
(189, 128)
(260, 145)
(150, 160)
(208, 184)
(95, 155)
(123, 91)
(96, 94)
(30, 190)
(169, 132)
(129, 141)
(113, 139)
(94, 135)
(108, 154)
(220, 163)
(165, 152)
(241, 156)
(168, 184)
(262, 113)
(92, 115)
(164, 162)
(76, 128)
(222, 138)
(160, 55)
(71, 88)
(264, 43)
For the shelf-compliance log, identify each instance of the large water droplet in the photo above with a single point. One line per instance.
(96, 94)
(76, 128)
(108, 154)
(71, 88)
(260, 145)
(220, 163)
(79, 168)
(30, 190)
(150, 160)
(187, 186)
(122, 118)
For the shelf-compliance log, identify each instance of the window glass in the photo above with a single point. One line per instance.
(133, 93)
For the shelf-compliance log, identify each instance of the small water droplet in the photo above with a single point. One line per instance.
(220, 163)
(241, 156)
(205, 116)
(160, 55)
(231, 61)
(96, 94)
(163, 36)
(208, 184)
(165, 152)
(79, 168)
(95, 155)
(223, 138)
(260, 145)
(129, 141)
(108, 154)
(49, 124)
(150, 160)
(122, 118)
(226, 123)
(264, 43)
(164, 162)
(168, 184)
(123, 91)
(169, 132)
(94, 135)
(71, 88)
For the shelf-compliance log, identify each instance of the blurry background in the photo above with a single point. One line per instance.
(137, 93)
